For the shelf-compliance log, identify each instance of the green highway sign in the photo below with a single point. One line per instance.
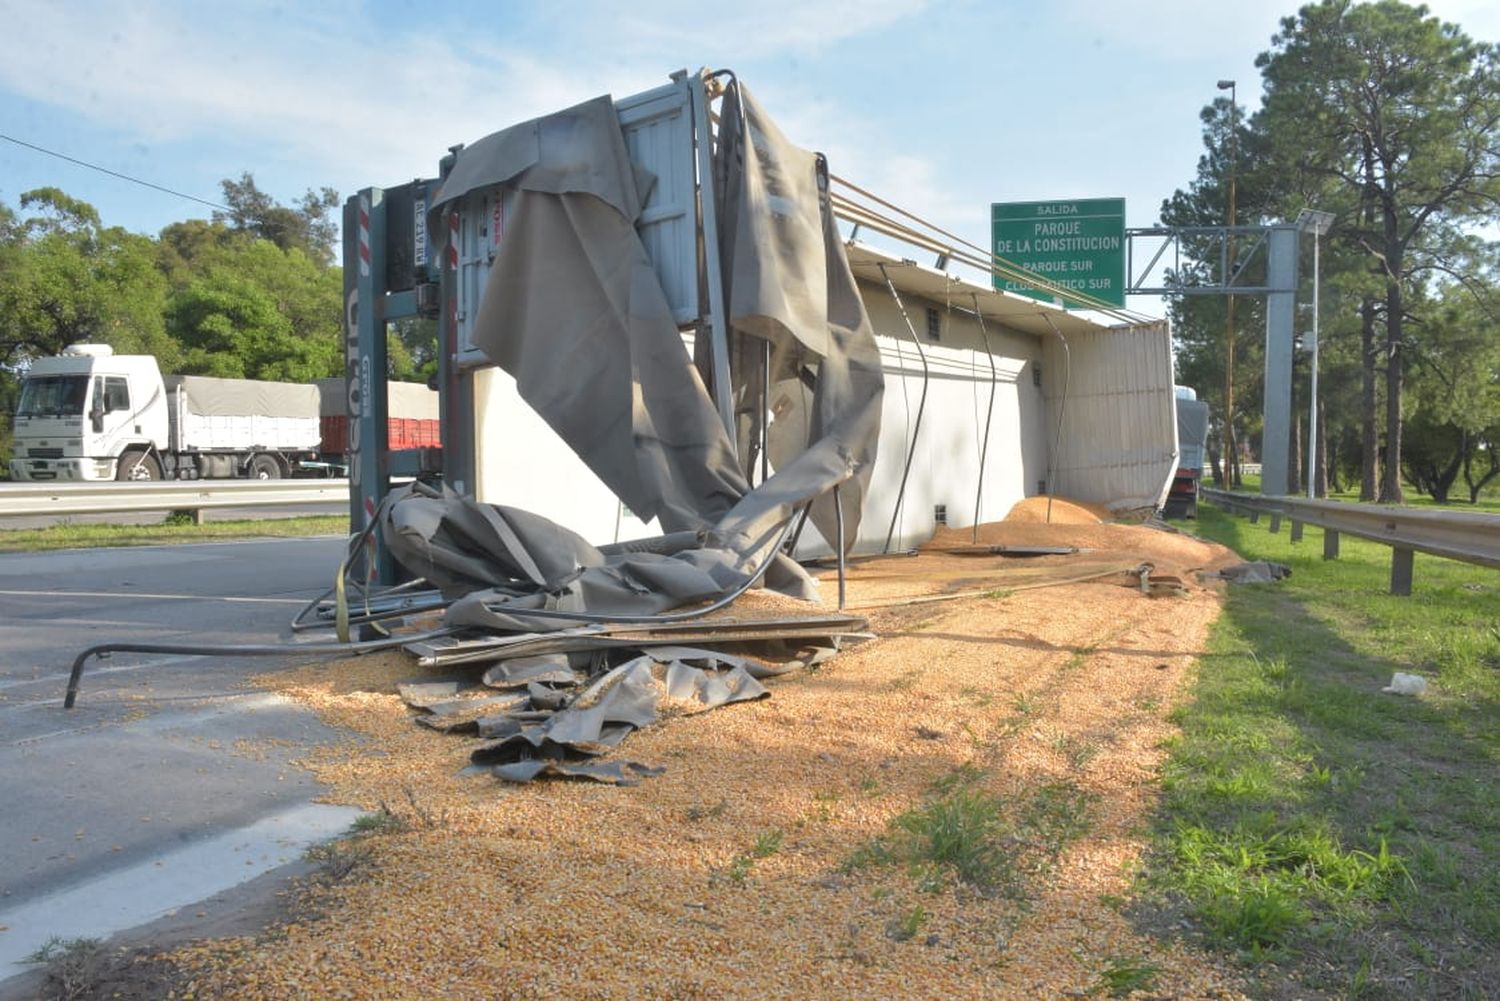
(1079, 245)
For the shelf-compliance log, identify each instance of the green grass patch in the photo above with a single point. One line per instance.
(1124, 975)
(766, 845)
(1307, 816)
(78, 536)
(962, 831)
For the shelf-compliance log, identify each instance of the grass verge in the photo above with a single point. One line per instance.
(77, 536)
(1340, 838)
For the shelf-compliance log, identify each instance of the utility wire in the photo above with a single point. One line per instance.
(114, 173)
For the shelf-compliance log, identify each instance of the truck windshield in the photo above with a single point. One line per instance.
(53, 396)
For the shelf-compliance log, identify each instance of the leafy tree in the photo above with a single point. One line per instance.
(1397, 111)
(65, 278)
(253, 310)
(412, 350)
(1455, 403)
(309, 226)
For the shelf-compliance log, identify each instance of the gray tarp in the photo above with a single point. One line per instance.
(788, 281)
(489, 556)
(210, 397)
(573, 310)
(555, 731)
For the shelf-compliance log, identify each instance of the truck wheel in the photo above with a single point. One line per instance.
(137, 465)
(265, 467)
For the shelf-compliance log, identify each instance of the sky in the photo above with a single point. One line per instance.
(941, 106)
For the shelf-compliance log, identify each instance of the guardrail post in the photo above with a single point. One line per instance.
(1296, 530)
(1401, 563)
(1330, 544)
(1275, 523)
(1254, 517)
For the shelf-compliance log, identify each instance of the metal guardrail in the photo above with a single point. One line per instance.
(22, 499)
(1466, 536)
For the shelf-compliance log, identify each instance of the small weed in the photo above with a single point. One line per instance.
(340, 860)
(739, 867)
(698, 811)
(1023, 705)
(59, 948)
(962, 830)
(905, 927)
(869, 786)
(72, 965)
(999, 593)
(1056, 814)
(767, 844)
(374, 823)
(966, 774)
(1123, 975)
(903, 681)
(980, 699)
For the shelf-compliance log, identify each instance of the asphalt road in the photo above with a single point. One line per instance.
(171, 781)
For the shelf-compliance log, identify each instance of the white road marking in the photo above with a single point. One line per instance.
(161, 597)
(160, 886)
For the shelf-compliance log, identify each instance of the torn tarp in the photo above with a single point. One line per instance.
(788, 282)
(572, 309)
(528, 736)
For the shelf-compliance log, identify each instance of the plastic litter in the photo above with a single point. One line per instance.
(1406, 684)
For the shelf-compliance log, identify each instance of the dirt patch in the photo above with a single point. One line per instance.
(737, 873)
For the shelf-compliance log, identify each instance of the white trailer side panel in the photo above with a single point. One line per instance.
(1113, 390)
(945, 467)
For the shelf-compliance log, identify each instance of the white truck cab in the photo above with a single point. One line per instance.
(90, 414)
(83, 411)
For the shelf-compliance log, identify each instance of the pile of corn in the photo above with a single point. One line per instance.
(737, 873)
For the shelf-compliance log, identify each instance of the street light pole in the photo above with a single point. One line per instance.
(1319, 223)
(1231, 464)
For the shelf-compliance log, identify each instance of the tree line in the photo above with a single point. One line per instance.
(252, 292)
(1388, 118)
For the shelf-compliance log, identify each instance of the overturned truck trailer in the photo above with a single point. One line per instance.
(652, 325)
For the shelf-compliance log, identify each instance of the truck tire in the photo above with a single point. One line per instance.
(137, 465)
(265, 467)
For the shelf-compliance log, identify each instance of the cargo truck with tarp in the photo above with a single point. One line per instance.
(90, 414)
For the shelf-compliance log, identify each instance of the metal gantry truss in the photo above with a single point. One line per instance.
(1204, 260)
(1233, 260)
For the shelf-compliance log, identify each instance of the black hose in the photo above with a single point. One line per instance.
(238, 650)
(911, 447)
(989, 415)
(1062, 409)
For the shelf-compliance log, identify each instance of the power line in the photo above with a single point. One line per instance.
(114, 173)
